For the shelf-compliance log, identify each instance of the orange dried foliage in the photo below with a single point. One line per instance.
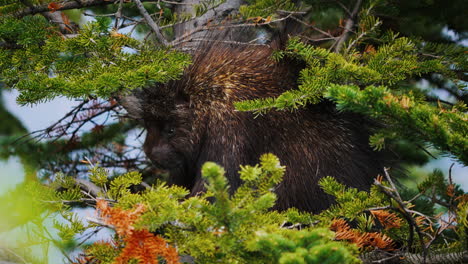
(65, 19)
(387, 219)
(255, 20)
(420, 220)
(369, 49)
(139, 244)
(451, 190)
(83, 260)
(146, 247)
(462, 199)
(405, 102)
(116, 34)
(53, 6)
(424, 224)
(122, 220)
(363, 240)
(389, 99)
(343, 231)
(112, 101)
(375, 240)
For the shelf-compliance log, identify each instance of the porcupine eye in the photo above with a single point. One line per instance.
(168, 129)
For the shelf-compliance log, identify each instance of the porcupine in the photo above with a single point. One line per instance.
(192, 120)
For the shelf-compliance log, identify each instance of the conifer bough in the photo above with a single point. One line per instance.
(234, 103)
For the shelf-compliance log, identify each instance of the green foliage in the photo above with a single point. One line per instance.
(410, 118)
(350, 202)
(302, 246)
(232, 228)
(236, 228)
(374, 72)
(416, 18)
(68, 229)
(436, 186)
(373, 83)
(95, 63)
(119, 186)
(203, 6)
(265, 8)
(26, 203)
(27, 211)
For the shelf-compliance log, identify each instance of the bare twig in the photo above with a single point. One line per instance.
(98, 15)
(118, 15)
(230, 42)
(412, 258)
(47, 130)
(363, 33)
(185, 38)
(151, 22)
(389, 179)
(450, 174)
(174, 3)
(89, 187)
(90, 235)
(426, 151)
(99, 222)
(14, 254)
(348, 26)
(313, 27)
(344, 7)
(406, 214)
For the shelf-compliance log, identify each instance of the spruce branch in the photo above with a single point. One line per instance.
(36, 9)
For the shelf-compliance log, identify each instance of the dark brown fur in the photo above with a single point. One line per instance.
(193, 120)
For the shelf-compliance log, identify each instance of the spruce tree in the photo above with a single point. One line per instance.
(366, 56)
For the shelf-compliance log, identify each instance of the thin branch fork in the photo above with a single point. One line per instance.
(393, 194)
(186, 37)
(118, 15)
(348, 26)
(74, 120)
(73, 113)
(151, 22)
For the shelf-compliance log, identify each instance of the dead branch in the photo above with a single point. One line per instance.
(154, 27)
(32, 10)
(348, 27)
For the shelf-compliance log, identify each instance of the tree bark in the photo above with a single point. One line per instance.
(216, 14)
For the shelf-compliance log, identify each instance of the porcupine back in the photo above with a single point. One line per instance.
(312, 142)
